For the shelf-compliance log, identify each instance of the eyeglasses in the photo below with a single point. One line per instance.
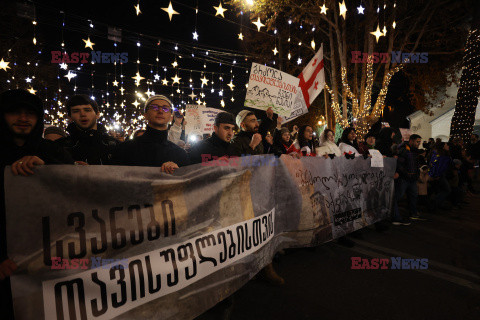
(155, 107)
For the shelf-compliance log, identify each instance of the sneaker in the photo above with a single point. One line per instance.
(403, 222)
(418, 217)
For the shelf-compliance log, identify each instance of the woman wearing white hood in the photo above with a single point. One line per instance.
(348, 143)
(327, 145)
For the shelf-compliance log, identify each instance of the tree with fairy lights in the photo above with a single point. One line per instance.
(353, 31)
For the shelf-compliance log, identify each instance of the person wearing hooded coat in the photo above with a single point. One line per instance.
(22, 147)
(348, 143)
(88, 141)
(327, 145)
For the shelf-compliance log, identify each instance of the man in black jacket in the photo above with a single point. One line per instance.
(218, 144)
(153, 149)
(22, 147)
(88, 141)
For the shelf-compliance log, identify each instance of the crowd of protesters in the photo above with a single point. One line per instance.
(436, 177)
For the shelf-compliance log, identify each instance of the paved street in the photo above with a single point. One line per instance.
(320, 283)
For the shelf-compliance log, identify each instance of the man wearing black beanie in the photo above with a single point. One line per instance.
(217, 145)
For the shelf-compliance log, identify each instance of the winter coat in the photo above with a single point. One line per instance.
(152, 149)
(296, 148)
(407, 163)
(240, 145)
(90, 146)
(211, 147)
(348, 149)
(439, 164)
(329, 147)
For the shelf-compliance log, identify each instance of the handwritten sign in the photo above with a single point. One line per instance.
(199, 119)
(272, 88)
(377, 158)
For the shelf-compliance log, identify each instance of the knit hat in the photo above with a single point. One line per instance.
(284, 130)
(224, 117)
(157, 97)
(241, 116)
(54, 130)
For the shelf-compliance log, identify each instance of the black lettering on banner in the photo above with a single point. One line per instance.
(123, 286)
(136, 264)
(81, 235)
(265, 223)
(151, 289)
(114, 231)
(347, 216)
(222, 238)
(152, 225)
(103, 294)
(133, 238)
(172, 216)
(184, 257)
(47, 254)
(248, 238)
(270, 225)
(165, 254)
(257, 239)
(231, 248)
(208, 240)
(240, 239)
(103, 234)
(79, 294)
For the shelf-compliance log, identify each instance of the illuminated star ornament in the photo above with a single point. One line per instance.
(28, 80)
(377, 33)
(115, 83)
(157, 77)
(275, 51)
(4, 65)
(170, 11)
(343, 9)
(88, 43)
(121, 90)
(231, 85)
(70, 75)
(137, 8)
(138, 78)
(32, 91)
(63, 66)
(195, 35)
(175, 63)
(220, 10)
(323, 9)
(136, 103)
(165, 82)
(204, 80)
(394, 24)
(150, 93)
(192, 95)
(360, 9)
(176, 79)
(384, 31)
(259, 24)
(240, 36)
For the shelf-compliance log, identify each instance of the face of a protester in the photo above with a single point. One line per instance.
(308, 134)
(224, 131)
(250, 123)
(286, 137)
(371, 141)
(84, 116)
(415, 143)
(330, 136)
(352, 135)
(52, 136)
(446, 147)
(156, 115)
(21, 121)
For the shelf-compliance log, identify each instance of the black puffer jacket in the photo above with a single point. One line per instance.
(212, 147)
(152, 149)
(90, 146)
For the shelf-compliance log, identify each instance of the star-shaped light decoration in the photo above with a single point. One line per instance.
(170, 11)
(157, 77)
(199, 102)
(137, 9)
(136, 103)
(275, 51)
(195, 35)
(4, 65)
(192, 95)
(377, 33)
(202, 95)
(176, 79)
(28, 80)
(63, 66)
(121, 90)
(165, 82)
(312, 44)
(138, 78)
(232, 99)
(394, 24)
(204, 80)
(343, 9)
(115, 83)
(107, 104)
(231, 85)
(240, 36)
(150, 93)
(323, 9)
(220, 10)
(32, 91)
(360, 9)
(175, 63)
(384, 31)
(70, 75)
(259, 24)
(222, 103)
(88, 43)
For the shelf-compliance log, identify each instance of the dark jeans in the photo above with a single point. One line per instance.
(403, 187)
(442, 189)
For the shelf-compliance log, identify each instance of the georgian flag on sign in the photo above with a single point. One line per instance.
(312, 78)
